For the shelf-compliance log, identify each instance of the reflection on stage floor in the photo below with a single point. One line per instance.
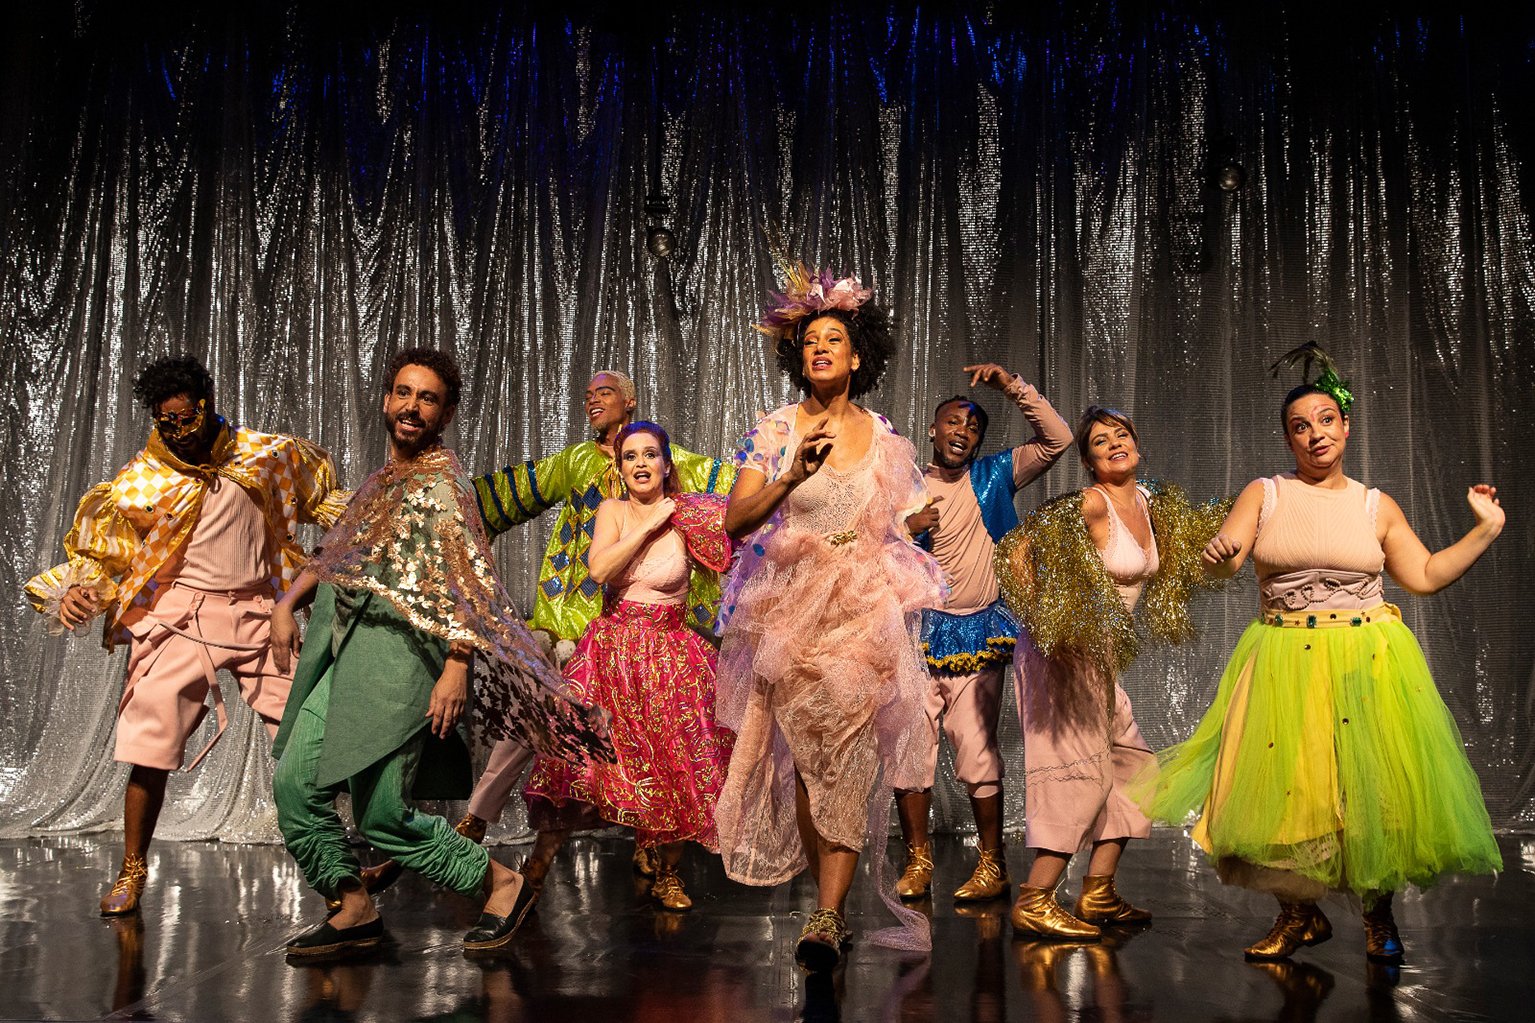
(208, 945)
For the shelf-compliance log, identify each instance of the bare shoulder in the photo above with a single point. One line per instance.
(1095, 507)
(611, 509)
(1253, 490)
(1388, 511)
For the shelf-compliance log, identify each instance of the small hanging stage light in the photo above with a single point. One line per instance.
(1230, 176)
(659, 240)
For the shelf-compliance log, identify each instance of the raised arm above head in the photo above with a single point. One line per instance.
(1052, 434)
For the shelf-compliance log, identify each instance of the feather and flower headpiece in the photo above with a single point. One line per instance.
(809, 293)
(1328, 380)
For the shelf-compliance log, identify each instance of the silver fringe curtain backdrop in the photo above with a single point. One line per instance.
(293, 198)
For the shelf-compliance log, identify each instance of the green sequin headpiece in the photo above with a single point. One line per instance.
(1328, 380)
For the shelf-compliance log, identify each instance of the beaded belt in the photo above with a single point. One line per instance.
(1331, 618)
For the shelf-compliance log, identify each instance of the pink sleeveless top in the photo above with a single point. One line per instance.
(1317, 548)
(1127, 562)
(228, 546)
(659, 572)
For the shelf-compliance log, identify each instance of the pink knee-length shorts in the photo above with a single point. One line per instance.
(179, 643)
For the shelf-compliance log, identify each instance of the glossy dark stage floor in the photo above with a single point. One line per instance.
(209, 947)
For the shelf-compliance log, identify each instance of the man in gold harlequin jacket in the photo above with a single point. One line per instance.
(183, 553)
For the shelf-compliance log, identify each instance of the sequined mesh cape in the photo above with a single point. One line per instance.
(578, 478)
(412, 536)
(130, 527)
(1053, 578)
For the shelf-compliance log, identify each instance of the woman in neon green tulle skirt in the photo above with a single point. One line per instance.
(1328, 761)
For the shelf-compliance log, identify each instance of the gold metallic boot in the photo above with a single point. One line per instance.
(534, 871)
(472, 828)
(918, 875)
(124, 896)
(646, 862)
(667, 889)
(1100, 903)
(1382, 943)
(989, 880)
(1298, 923)
(1037, 912)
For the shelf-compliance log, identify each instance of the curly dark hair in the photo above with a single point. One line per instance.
(981, 418)
(438, 362)
(868, 327)
(175, 374)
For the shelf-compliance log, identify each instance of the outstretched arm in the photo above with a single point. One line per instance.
(1224, 555)
(521, 493)
(1410, 563)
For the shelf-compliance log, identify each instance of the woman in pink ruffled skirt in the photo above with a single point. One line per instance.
(821, 674)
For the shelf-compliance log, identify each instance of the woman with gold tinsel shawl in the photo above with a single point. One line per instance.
(1074, 573)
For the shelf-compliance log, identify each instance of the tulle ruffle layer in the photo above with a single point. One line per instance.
(1328, 761)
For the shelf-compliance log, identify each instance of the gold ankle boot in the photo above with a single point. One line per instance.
(668, 890)
(124, 896)
(1382, 943)
(472, 828)
(918, 875)
(989, 880)
(534, 871)
(1298, 924)
(1100, 903)
(1037, 912)
(645, 861)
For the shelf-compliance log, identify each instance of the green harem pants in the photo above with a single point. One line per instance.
(312, 830)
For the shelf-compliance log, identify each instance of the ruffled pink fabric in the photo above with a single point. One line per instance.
(821, 669)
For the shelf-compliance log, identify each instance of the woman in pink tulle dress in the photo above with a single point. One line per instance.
(653, 674)
(821, 674)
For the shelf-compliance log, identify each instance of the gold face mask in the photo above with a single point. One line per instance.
(181, 426)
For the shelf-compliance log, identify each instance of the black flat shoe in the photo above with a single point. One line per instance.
(493, 932)
(326, 940)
